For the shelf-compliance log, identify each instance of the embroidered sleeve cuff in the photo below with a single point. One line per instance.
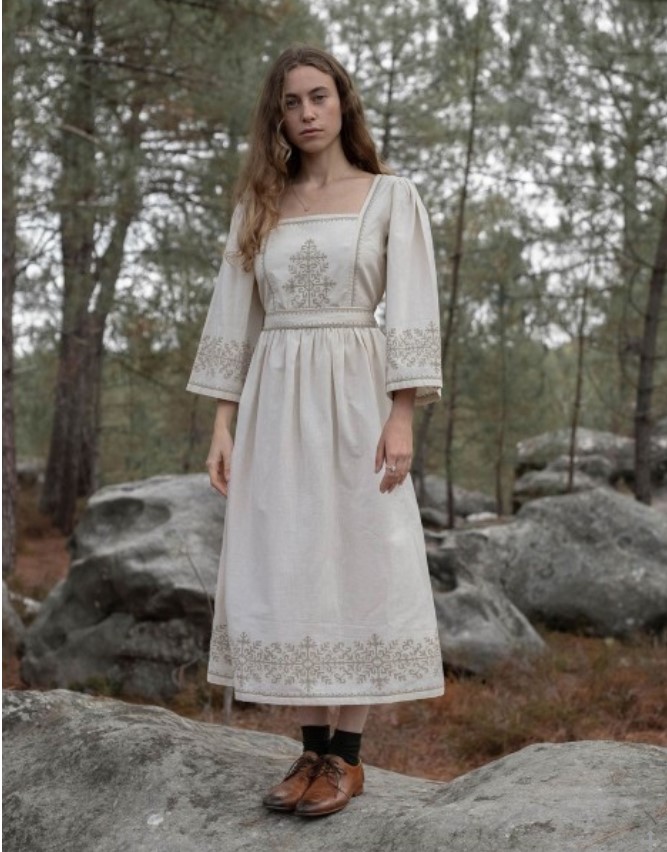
(428, 389)
(220, 367)
(215, 393)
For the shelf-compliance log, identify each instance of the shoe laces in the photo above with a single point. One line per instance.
(329, 768)
(305, 761)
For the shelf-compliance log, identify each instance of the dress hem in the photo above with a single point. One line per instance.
(325, 700)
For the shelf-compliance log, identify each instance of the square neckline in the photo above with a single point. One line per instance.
(317, 216)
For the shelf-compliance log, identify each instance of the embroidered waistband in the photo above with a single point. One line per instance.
(320, 318)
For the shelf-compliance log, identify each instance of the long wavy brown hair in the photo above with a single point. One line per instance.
(272, 162)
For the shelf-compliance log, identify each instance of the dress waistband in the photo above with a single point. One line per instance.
(320, 318)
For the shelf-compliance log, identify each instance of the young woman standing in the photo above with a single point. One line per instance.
(323, 595)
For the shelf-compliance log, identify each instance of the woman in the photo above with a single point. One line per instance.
(323, 595)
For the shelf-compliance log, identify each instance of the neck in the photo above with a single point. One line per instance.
(324, 167)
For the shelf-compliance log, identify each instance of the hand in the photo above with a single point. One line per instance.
(219, 460)
(395, 445)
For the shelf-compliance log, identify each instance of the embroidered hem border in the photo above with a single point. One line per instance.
(330, 699)
(305, 669)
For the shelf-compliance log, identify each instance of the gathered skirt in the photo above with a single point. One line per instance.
(323, 593)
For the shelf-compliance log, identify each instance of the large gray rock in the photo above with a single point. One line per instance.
(478, 626)
(595, 561)
(538, 452)
(434, 496)
(13, 629)
(601, 458)
(134, 613)
(82, 773)
(549, 483)
(30, 471)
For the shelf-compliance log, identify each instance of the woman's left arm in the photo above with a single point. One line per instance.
(395, 445)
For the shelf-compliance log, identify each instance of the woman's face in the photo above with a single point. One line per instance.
(312, 119)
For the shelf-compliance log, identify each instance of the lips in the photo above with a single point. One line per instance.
(310, 132)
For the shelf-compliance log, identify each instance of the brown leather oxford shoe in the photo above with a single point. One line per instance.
(284, 796)
(334, 784)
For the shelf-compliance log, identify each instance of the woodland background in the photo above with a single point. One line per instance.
(535, 131)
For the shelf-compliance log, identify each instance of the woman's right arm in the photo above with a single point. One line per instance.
(219, 460)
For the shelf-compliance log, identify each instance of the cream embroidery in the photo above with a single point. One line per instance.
(229, 358)
(312, 665)
(309, 282)
(414, 347)
(220, 648)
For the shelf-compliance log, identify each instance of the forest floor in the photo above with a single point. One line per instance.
(583, 688)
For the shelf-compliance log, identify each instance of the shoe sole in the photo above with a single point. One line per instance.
(326, 813)
(278, 809)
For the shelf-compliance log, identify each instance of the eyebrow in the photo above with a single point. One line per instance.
(322, 88)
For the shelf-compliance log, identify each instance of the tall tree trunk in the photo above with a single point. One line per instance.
(419, 459)
(647, 359)
(387, 113)
(449, 341)
(501, 426)
(8, 288)
(629, 268)
(65, 465)
(578, 388)
(89, 283)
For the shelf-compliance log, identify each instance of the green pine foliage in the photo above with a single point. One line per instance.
(565, 195)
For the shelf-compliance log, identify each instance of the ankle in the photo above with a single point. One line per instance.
(316, 738)
(346, 744)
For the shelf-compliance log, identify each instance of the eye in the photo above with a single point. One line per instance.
(291, 103)
(318, 98)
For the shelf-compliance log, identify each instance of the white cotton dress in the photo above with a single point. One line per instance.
(323, 592)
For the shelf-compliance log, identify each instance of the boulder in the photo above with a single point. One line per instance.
(594, 561)
(134, 613)
(30, 471)
(538, 452)
(84, 773)
(548, 483)
(597, 468)
(600, 458)
(478, 626)
(13, 629)
(434, 496)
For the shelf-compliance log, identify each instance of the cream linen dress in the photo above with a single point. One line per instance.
(323, 592)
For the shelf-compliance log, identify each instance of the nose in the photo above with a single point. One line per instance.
(308, 113)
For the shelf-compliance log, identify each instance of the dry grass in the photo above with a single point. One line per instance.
(42, 554)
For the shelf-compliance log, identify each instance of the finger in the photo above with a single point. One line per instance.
(379, 455)
(391, 467)
(388, 482)
(218, 482)
(217, 476)
(220, 487)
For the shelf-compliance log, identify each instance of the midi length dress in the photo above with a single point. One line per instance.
(323, 593)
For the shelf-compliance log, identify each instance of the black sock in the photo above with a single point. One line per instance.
(316, 738)
(346, 744)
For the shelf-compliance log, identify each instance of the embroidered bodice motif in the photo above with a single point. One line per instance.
(309, 284)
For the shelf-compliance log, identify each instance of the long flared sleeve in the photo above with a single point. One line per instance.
(234, 321)
(412, 312)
